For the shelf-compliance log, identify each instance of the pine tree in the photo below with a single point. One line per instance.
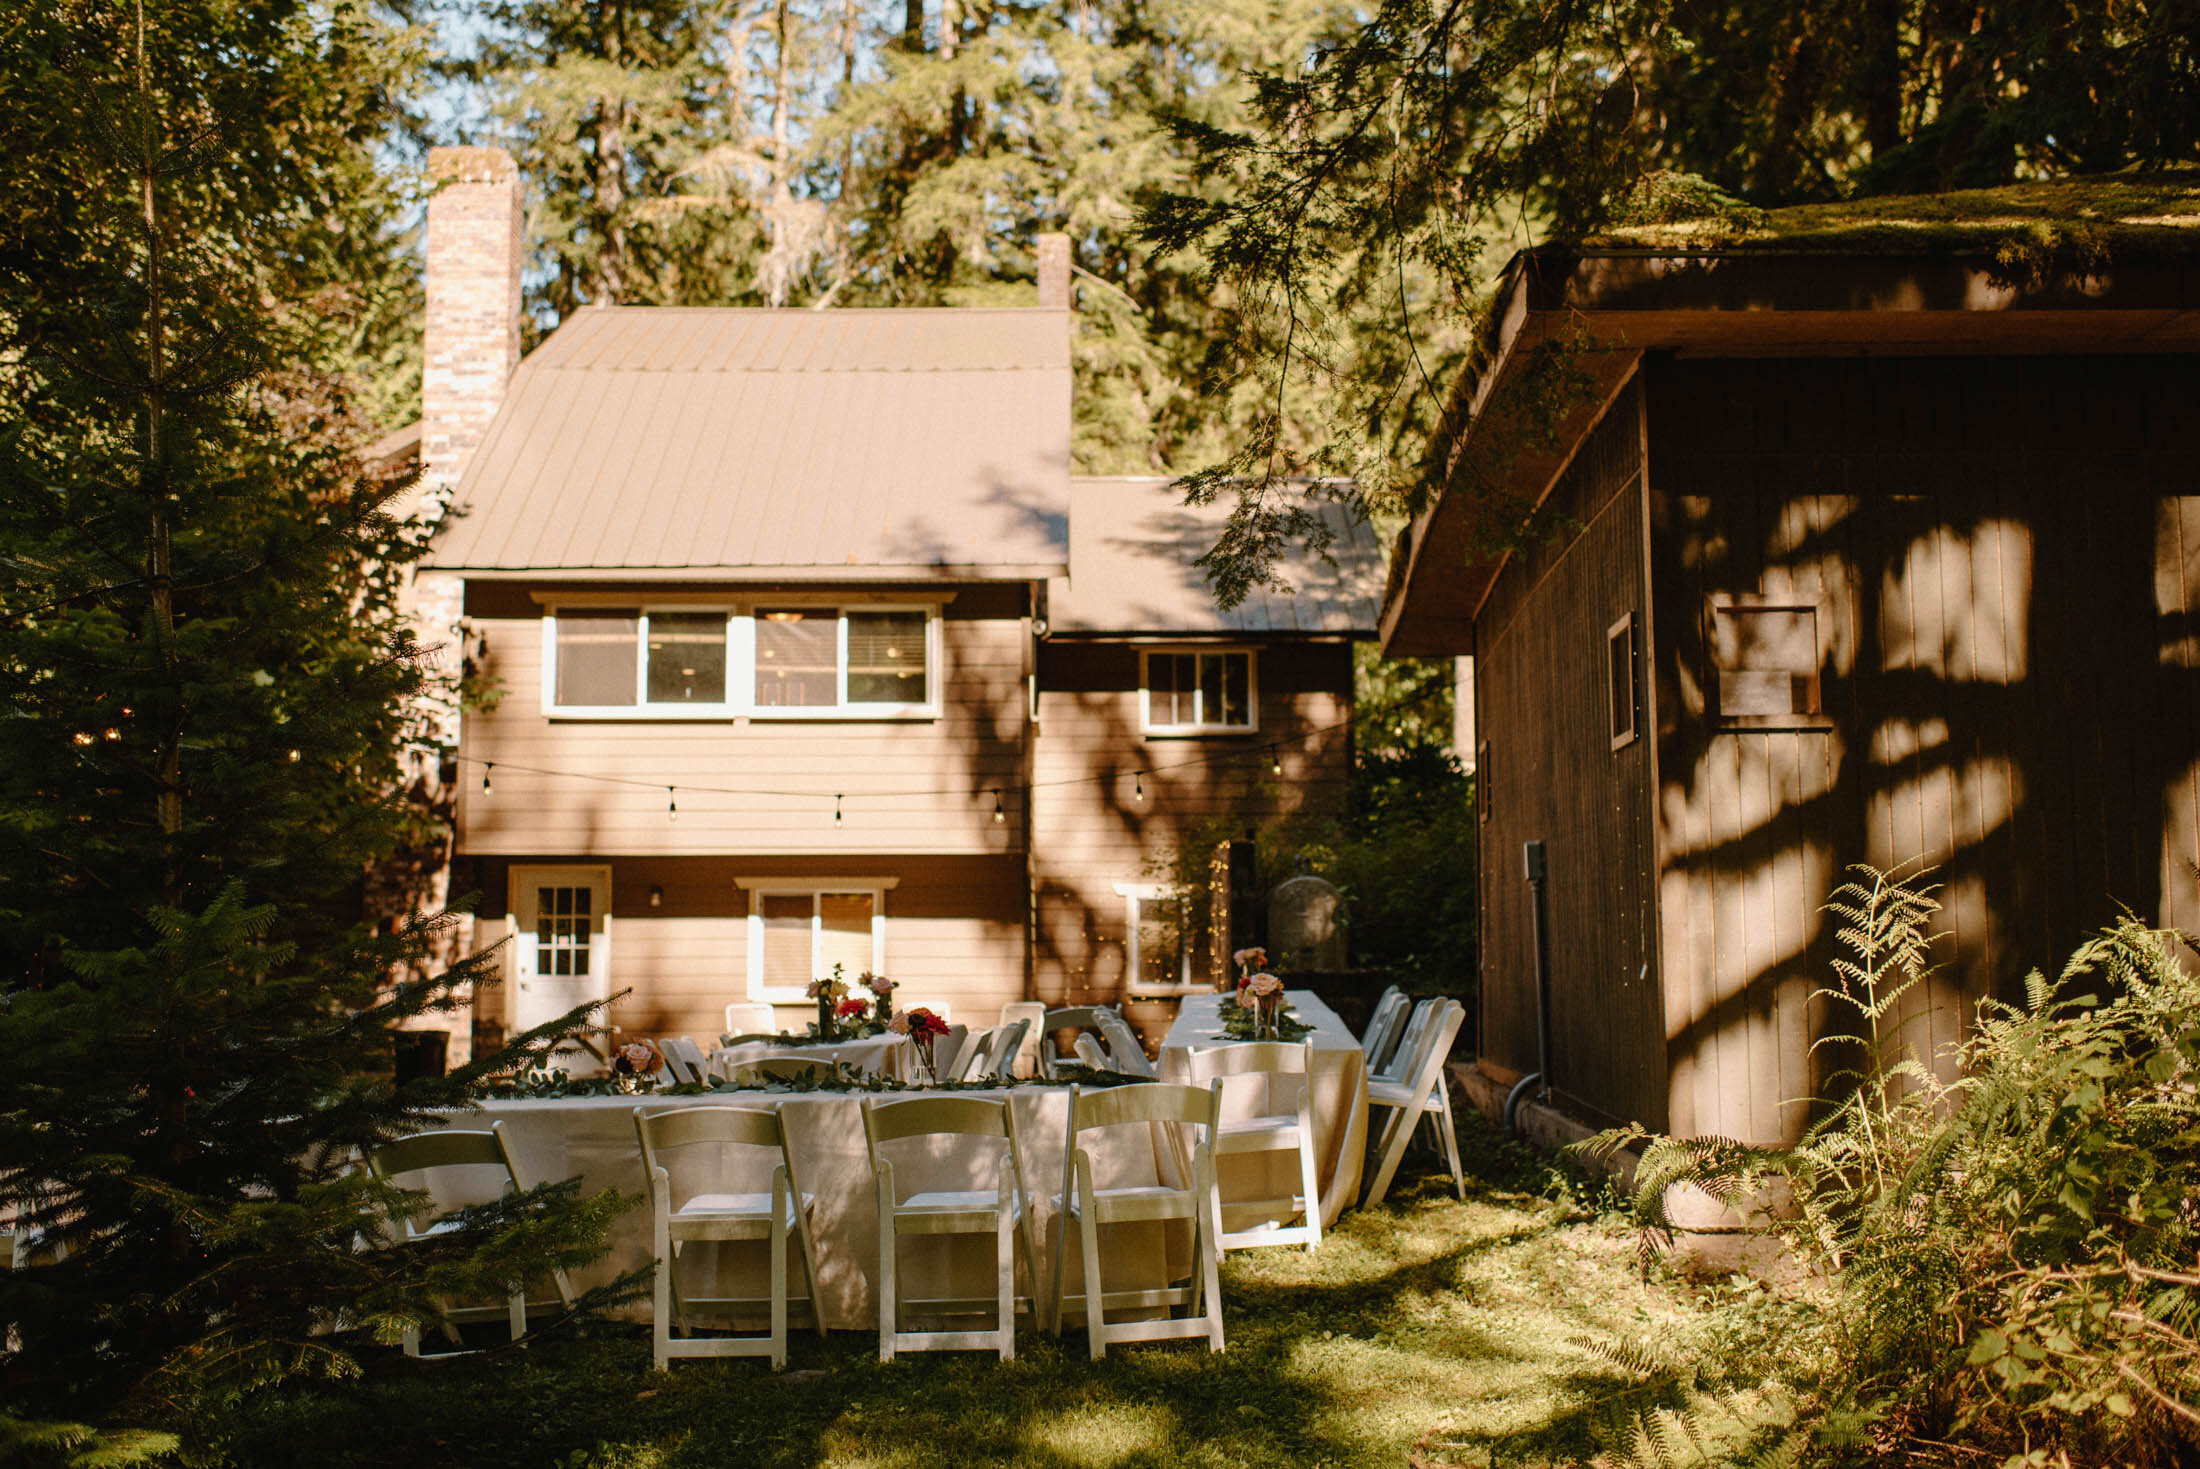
(207, 682)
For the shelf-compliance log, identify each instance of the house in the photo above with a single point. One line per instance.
(1865, 543)
(806, 650)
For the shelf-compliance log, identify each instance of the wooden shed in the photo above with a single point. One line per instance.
(1853, 545)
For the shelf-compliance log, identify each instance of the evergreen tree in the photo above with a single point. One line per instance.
(207, 684)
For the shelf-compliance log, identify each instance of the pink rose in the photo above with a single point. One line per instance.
(1260, 986)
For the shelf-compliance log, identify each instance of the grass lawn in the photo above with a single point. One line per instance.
(1428, 1330)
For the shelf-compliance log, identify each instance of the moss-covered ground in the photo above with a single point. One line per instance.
(1428, 1331)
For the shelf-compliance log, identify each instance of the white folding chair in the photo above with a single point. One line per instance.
(980, 1057)
(1421, 1094)
(1393, 1067)
(684, 1063)
(1008, 1049)
(714, 1218)
(1383, 1026)
(1090, 1053)
(1002, 1211)
(482, 1170)
(749, 1017)
(1124, 1051)
(1076, 1017)
(1282, 1123)
(1033, 1014)
(1084, 1208)
(948, 1051)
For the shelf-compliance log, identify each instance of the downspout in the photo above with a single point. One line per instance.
(1538, 871)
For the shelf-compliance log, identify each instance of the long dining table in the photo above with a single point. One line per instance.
(594, 1139)
(1339, 1107)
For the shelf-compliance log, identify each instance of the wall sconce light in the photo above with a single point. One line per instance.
(656, 896)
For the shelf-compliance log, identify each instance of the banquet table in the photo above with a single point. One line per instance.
(593, 1138)
(887, 1055)
(1339, 1106)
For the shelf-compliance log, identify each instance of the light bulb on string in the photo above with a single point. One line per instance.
(1275, 759)
(1000, 814)
(836, 809)
(672, 804)
(485, 769)
(1139, 794)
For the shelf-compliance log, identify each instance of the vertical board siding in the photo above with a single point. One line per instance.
(2004, 556)
(1541, 680)
(922, 785)
(1090, 831)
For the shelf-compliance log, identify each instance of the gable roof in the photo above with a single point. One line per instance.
(1133, 545)
(675, 442)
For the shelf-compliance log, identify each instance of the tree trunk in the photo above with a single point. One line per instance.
(611, 166)
(780, 210)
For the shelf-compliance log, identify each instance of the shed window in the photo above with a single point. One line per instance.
(1198, 692)
(1619, 641)
(1766, 658)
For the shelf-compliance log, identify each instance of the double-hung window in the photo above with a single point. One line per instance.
(1198, 691)
(635, 662)
(1158, 941)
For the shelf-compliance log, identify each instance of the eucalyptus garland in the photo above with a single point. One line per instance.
(1240, 1024)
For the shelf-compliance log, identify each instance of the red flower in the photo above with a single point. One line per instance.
(923, 1022)
(852, 1009)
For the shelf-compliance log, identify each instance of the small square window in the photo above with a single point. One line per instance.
(1619, 644)
(1198, 692)
(1766, 656)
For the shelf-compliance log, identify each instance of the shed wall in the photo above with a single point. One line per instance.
(2005, 558)
(1552, 775)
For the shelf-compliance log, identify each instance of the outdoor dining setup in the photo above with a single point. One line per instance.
(889, 1172)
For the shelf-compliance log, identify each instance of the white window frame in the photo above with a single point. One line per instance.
(739, 701)
(1199, 725)
(929, 708)
(759, 888)
(1135, 895)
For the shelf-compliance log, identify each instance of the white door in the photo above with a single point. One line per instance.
(561, 946)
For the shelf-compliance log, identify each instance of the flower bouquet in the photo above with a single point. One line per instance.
(828, 993)
(924, 1029)
(635, 1065)
(882, 991)
(1257, 1012)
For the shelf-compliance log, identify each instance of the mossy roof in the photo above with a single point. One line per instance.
(2119, 216)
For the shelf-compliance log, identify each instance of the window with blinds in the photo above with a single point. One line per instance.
(801, 935)
(849, 662)
(632, 658)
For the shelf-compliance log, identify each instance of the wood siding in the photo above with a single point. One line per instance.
(1552, 775)
(954, 933)
(2005, 555)
(910, 786)
(1090, 831)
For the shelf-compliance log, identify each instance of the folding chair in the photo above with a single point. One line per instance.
(1090, 1054)
(767, 1069)
(947, 1051)
(713, 1218)
(1034, 1016)
(1084, 1208)
(684, 1063)
(748, 1017)
(1077, 1017)
(1422, 1094)
(1002, 1211)
(1284, 1065)
(987, 1053)
(486, 1157)
(1123, 1047)
(1383, 1027)
(1392, 1067)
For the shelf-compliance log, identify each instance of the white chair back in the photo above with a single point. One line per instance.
(1008, 1048)
(1033, 1015)
(684, 1063)
(1089, 1052)
(1400, 1063)
(749, 1017)
(1378, 1022)
(1124, 1051)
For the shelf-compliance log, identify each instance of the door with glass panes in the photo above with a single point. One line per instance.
(561, 941)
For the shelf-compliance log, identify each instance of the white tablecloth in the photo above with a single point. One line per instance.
(594, 1138)
(1339, 1106)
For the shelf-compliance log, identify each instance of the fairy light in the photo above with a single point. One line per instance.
(1139, 794)
(485, 769)
(672, 804)
(1000, 813)
(1275, 759)
(837, 798)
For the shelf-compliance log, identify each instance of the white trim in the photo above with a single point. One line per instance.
(1134, 895)
(875, 888)
(1198, 725)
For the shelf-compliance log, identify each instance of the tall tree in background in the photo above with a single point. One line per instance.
(208, 684)
(1363, 213)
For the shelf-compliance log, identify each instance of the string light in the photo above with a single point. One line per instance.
(672, 804)
(999, 813)
(836, 808)
(1140, 793)
(1275, 759)
(485, 769)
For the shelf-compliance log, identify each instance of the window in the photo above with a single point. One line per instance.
(829, 658)
(1619, 643)
(799, 929)
(1158, 942)
(1198, 692)
(1766, 654)
(564, 928)
(624, 658)
(802, 662)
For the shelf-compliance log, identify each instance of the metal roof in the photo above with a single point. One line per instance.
(1133, 545)
(675, 442)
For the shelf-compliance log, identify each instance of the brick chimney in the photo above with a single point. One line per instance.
(472, 333)
(1053, 271)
